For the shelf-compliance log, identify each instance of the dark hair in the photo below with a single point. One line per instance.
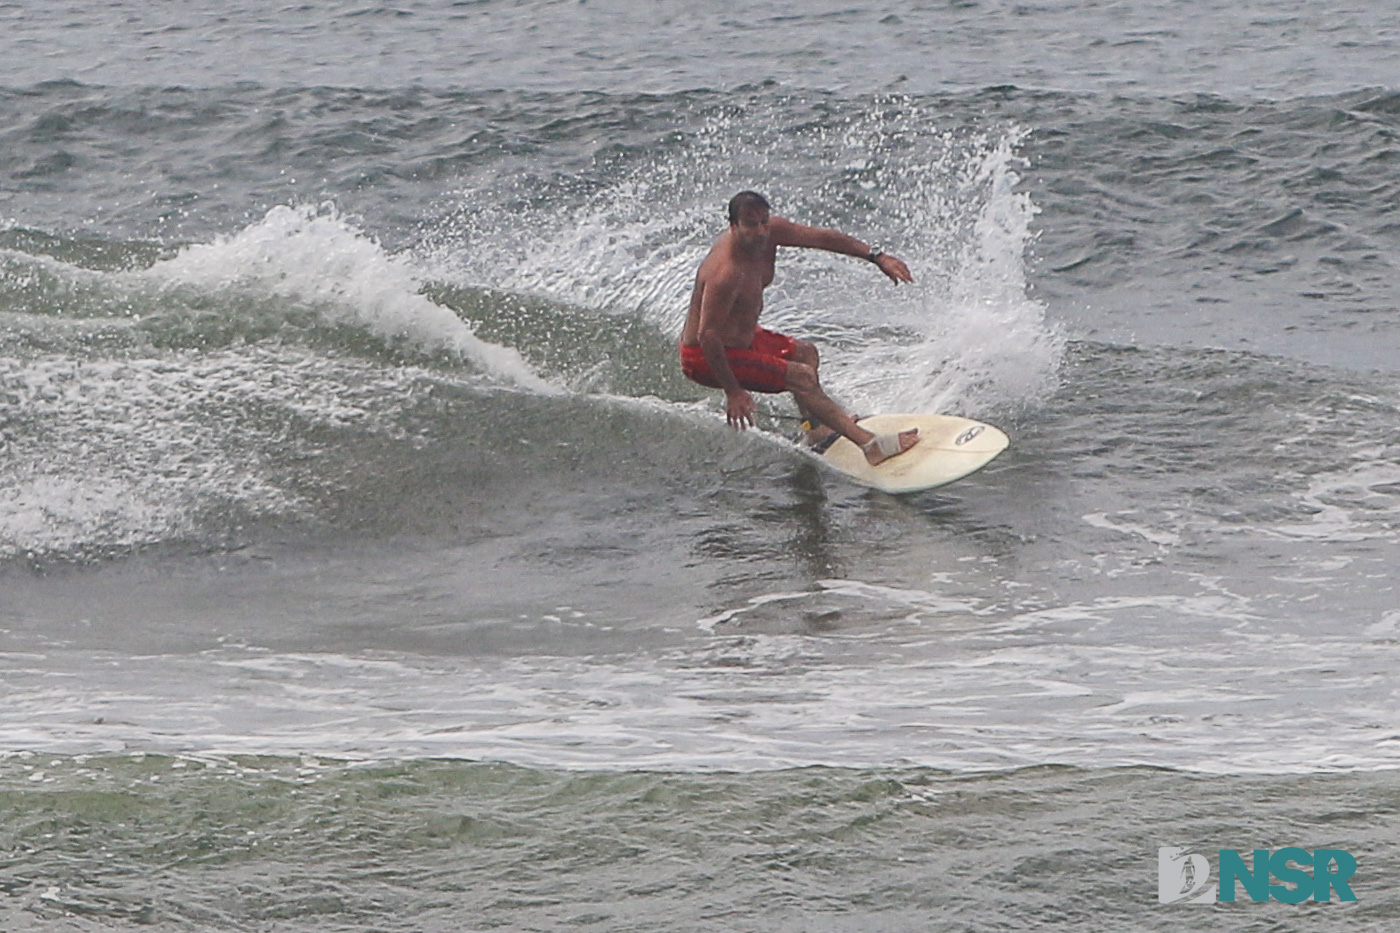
(743, 200)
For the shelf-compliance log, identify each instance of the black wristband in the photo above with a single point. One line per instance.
(874, 254)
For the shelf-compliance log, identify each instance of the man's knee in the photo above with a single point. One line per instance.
(801, 378)
(806, 354)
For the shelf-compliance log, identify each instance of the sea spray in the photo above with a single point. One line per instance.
(980, 344)
(108, 455)
(315, 256)
(966, 337)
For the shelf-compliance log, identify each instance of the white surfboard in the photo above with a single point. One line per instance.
(949, 448)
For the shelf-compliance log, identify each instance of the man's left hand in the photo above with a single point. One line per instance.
(893, 267)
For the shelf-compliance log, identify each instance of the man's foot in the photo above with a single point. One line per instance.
(884, 446)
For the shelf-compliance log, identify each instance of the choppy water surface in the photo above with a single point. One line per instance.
(365, 563)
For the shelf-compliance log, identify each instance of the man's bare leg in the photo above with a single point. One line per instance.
(816, 430)
(819, 434)
(815, 403)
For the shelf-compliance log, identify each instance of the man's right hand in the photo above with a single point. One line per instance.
(739, 409)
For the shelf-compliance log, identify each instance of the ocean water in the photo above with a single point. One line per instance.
(366, 563)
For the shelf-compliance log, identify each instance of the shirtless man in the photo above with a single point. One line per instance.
(723, 347)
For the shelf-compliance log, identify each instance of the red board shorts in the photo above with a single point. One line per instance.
(760, 367)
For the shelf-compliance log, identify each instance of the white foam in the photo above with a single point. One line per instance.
(1357, 503)
(1163, 539)
(747, 703)
(317, 257)
(120, 453)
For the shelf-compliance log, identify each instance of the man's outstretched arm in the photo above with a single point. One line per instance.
(786, 233)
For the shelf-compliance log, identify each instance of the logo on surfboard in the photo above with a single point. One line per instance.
(969, 434)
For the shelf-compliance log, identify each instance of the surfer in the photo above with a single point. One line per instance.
(723, 347)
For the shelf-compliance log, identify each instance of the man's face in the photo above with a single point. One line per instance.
(752, 228)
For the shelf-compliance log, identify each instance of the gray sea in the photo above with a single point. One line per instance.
(367, 565)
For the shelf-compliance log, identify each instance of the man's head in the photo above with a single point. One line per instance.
(746, 199)
(748, 218)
